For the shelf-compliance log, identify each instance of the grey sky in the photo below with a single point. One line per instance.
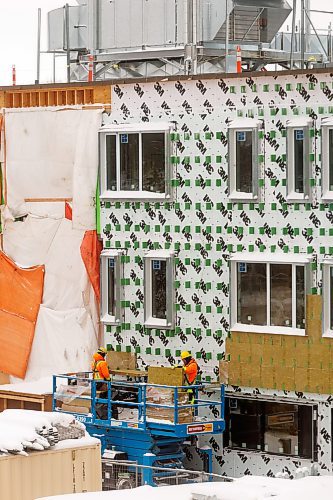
(18, 38)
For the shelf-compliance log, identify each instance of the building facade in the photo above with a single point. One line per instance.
(217, 226)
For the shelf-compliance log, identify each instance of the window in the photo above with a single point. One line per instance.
(327, 296)
(268, 296)
(327, 158)
(298, 160)
(243, 159)
(280, 428)
(111, 288)
(159, 289)
(135, 162)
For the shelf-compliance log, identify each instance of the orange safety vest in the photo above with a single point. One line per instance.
(100, 368)
(191, 371)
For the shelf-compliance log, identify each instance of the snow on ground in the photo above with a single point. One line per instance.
(41, 386)
(246, 488)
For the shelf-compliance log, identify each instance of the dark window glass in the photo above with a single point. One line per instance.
(129, 162)
(300, 297)
(299, 160)
(281, 295)
(330, 158)
(111, 288)
(245, 424)
(111, 164)
(153, 162)
(251, 293)
(244, 161)
(158, 290)
(279, 428)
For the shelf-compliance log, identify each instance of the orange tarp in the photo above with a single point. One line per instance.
(21, 292)
(91, 249)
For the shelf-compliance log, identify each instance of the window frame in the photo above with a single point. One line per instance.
(106, 318)
(228, 432)
(292, 196)
(326, 297)
(149, 320)
(326, 192)
(255, 257)
(243, 125)
(139, 128)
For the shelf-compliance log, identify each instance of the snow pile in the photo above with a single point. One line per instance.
(41, 386)
(246, 488)
(24, 430)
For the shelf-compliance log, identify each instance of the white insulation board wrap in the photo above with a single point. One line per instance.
(53, 154)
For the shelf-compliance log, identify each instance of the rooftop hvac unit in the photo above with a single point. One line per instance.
(104, 25)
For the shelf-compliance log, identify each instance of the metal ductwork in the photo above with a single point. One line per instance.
(152, 37)
(129, 24)
(255, 21)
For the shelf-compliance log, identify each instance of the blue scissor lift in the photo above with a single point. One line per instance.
(147, 441)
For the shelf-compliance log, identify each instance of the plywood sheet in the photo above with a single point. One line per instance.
(75, 409)
(165, 376)
(121, 360)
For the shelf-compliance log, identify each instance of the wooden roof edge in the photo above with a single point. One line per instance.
(204, 76)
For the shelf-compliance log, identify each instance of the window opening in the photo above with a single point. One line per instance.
(159, 284)
(244, 158)
(299, 160)
(279, 428)
(111, 163)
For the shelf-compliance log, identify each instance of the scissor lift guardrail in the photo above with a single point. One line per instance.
(143, 423)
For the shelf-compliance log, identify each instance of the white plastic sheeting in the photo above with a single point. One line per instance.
(67, 325)
(28, 242)
(53, 154)
(64, 342)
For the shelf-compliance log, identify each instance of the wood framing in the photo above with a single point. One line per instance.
(22, 400)
(42, 96)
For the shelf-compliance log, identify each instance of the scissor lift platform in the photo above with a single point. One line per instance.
(144, 439)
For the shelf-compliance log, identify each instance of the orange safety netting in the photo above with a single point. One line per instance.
(21, 292)
(91, 249)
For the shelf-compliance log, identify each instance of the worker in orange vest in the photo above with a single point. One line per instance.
(101, 373)
(99, 365)
(191, 368)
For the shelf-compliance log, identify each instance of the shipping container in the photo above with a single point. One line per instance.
(53, 472)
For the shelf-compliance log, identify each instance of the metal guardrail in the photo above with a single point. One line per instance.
(84, 389)
(123, 474)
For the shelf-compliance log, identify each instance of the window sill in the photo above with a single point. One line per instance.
(277, 330)
(133, 195)
(327, 196)
(158, 323)
(110, 320)
(294, 197)
(238, 197)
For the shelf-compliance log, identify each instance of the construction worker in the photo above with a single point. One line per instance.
(101, 372)
(99, 365)
(190, 367)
